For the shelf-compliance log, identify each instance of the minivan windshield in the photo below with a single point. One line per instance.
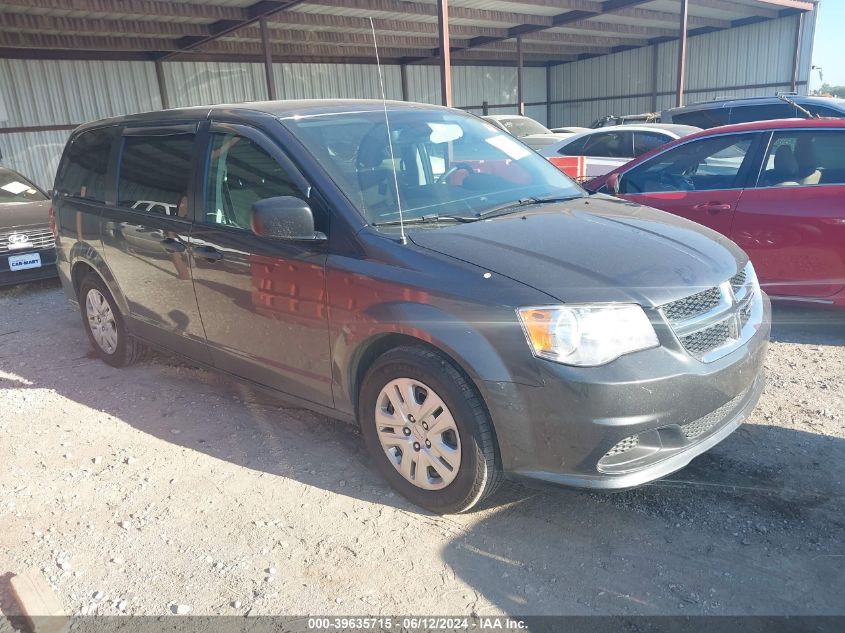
(16, 188)
(444, 164)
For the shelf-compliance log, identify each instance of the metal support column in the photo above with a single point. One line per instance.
(162, 85)
(520, 96)
(548, 95)
(403, 74)
(655, 68)
(268, 58)
(682, 53)
(796, 60)
(445, 53)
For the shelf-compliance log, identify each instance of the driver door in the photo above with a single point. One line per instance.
(262, 301)
(701, 180)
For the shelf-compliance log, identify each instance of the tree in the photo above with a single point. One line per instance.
(834, 91)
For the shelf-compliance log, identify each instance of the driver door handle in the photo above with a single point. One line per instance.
(713, 207)
(172, 245)
(208, 253)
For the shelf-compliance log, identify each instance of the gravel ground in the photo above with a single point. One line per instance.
(162, 488)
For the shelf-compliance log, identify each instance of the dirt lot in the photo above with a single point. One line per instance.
(141, 489)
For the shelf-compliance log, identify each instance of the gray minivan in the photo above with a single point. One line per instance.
(728, 111)
(422, 273)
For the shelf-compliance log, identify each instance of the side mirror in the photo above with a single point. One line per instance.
(285, 218)
(614, 182)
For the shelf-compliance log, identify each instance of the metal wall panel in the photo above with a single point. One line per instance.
(207, 83)
(718, 64)
(336, 81)
(47, 92)
(36, 155)
(472, 85)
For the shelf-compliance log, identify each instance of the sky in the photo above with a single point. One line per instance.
(827, 51)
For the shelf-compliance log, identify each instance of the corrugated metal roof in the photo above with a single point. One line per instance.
(43, 24)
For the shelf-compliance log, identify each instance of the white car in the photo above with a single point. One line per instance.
(570, 130)
(527, 130)
(597, 152)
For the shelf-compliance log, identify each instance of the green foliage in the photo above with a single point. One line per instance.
(836, 91)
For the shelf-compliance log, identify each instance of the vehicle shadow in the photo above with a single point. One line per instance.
(814, 326)
(754, 526)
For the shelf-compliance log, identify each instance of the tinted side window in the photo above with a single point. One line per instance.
(610, 145)
(707, 164)
(241, 173)
(155, 172)
(825, 111)
(575, 148)
(747, 114)
(82, 173)
(705, 119)
(804, 158)
(644, 142)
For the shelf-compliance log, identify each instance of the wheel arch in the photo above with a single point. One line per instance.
(378, 345)
(85, 260)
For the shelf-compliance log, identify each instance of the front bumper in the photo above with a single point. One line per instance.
(45, 271)
(624, 424)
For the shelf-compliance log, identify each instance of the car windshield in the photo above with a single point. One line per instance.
(523, 126)
(443, 163)
(16, 188)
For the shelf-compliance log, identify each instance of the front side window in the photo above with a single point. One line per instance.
(240, 174)
(804, 158)
(82, 173)
(709, 164)
(443, 163)
(615, 144)
(155, 172)
(16, 188)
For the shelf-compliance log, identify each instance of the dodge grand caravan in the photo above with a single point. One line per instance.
(421, 272)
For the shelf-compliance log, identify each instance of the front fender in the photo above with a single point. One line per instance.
(486, 342)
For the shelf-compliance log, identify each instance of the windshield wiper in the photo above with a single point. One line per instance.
(428, 219)
(512, 207)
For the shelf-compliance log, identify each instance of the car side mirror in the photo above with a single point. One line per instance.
(614, 182)
(285, 218)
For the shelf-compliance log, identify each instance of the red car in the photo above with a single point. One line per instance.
(776, 188)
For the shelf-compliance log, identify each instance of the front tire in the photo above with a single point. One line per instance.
(428, 430)
(104, 324)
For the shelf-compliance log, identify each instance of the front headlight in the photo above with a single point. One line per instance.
(587, 335)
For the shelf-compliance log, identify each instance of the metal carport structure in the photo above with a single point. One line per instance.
(549, 44)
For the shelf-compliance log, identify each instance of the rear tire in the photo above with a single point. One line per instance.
(444, 458)
(105, 326)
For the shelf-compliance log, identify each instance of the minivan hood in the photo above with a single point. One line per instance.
(16, 214)
(597, 249)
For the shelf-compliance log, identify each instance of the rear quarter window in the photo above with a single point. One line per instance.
(82, 172)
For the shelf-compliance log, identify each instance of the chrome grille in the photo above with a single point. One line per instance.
(738, 281)
(692, 305)
(712, 323)
(699, 343)
(699, 427)
(624, 446)
(36, 239)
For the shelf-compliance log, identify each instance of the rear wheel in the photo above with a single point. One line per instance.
(104, 324)
(428, 431)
